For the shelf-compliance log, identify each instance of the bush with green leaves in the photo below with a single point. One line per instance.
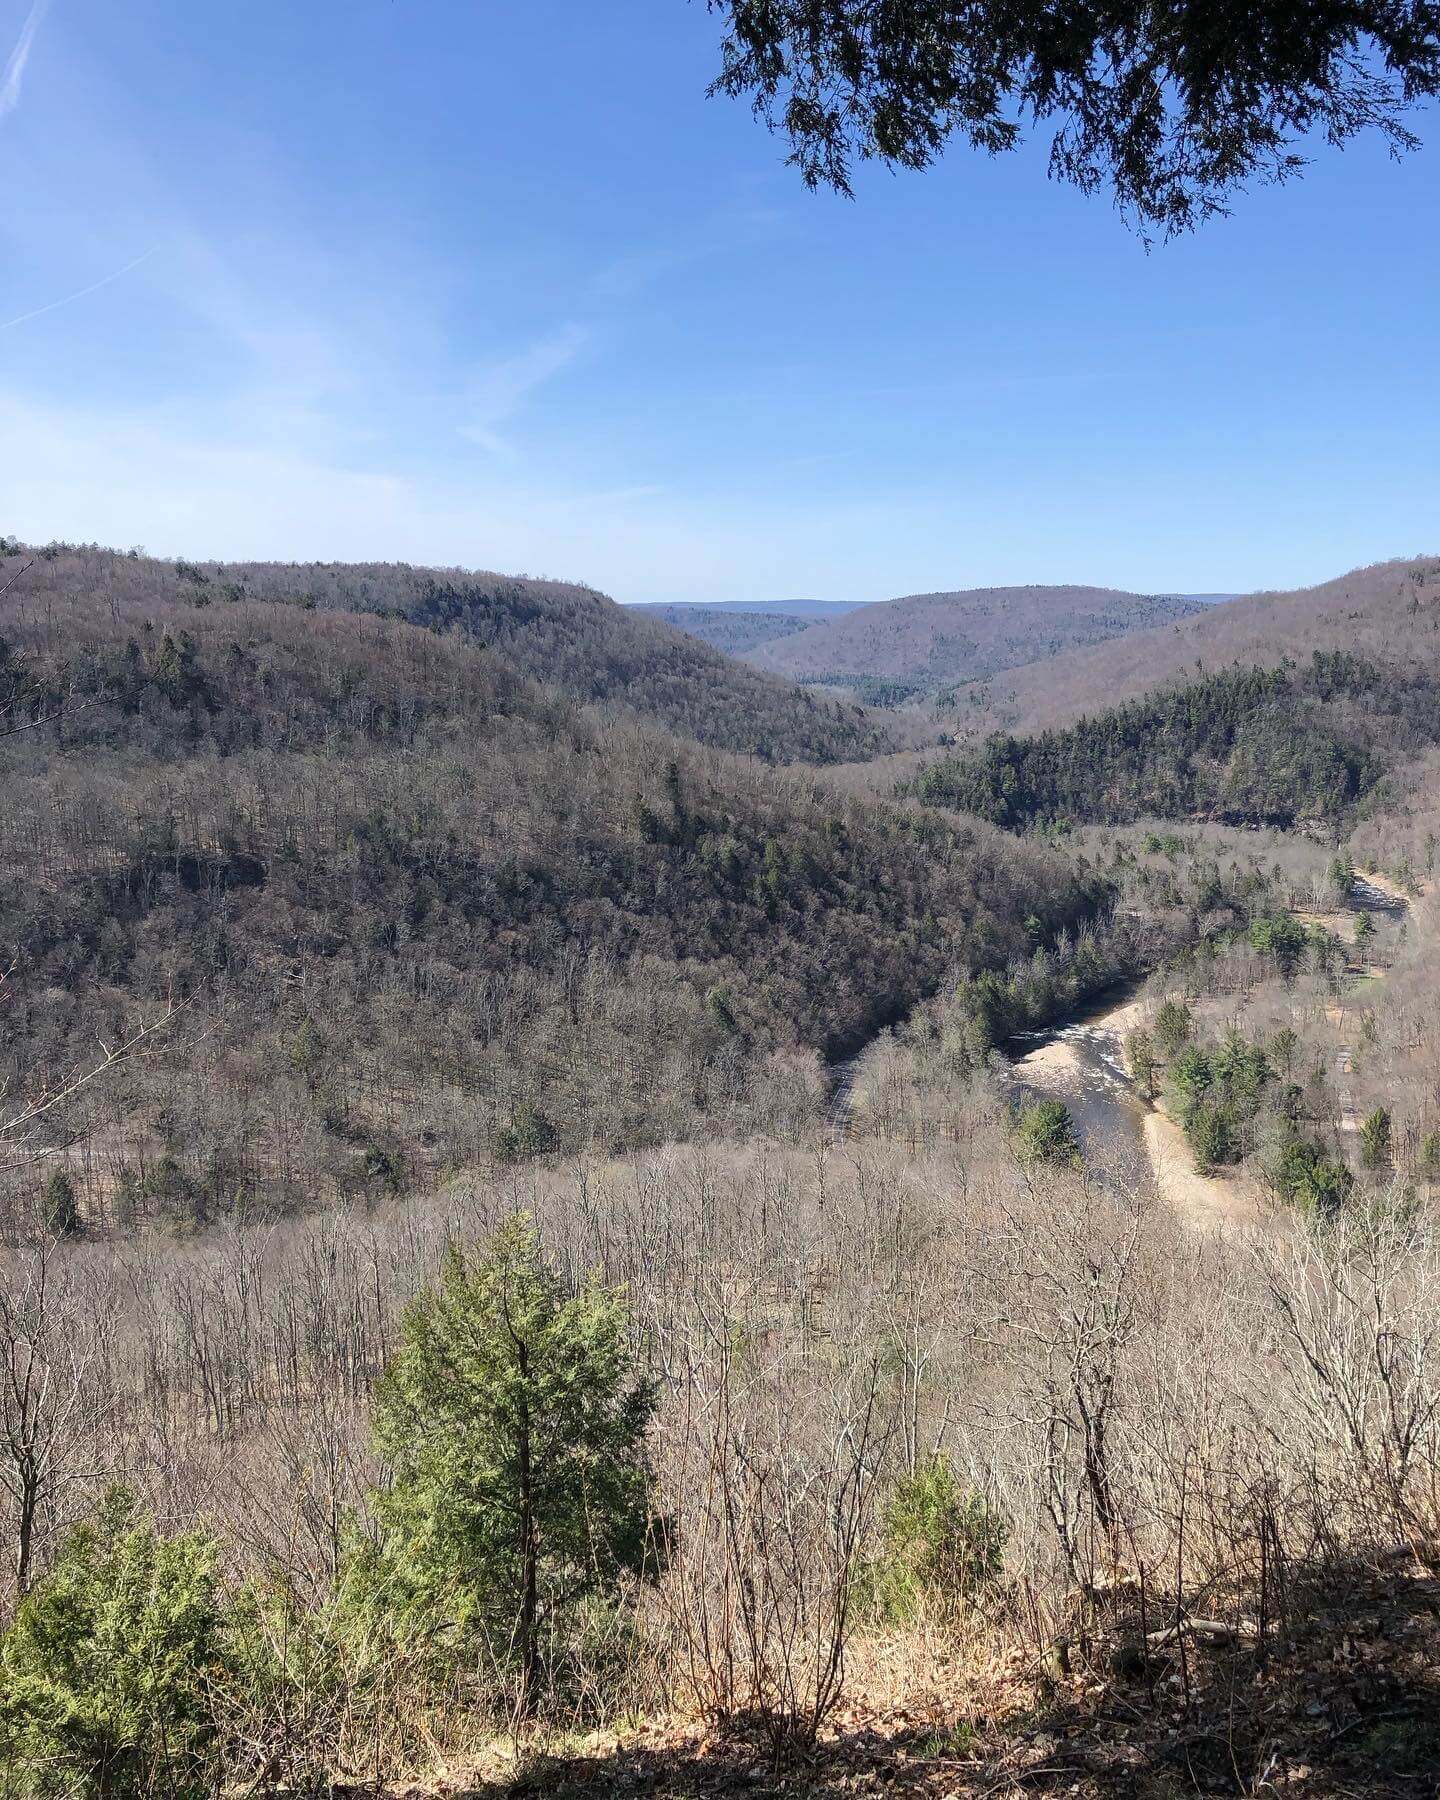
(1211, 1132)
(1280, 936)
(1045, 1133)
(941, 1543)
(109, 1670)
(513, 1422)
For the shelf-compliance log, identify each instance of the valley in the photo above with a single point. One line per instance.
(964, 1128)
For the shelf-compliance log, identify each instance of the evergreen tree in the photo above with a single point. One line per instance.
(514, 1424)
(1375, 1139)
(1172, 1027)
(59, 1205)
(1046, 1133)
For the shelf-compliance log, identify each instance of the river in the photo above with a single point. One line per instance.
(1082, 1062)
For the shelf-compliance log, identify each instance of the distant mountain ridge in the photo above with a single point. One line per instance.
(933, 641)
(735, 626)
(1388, 611)
(790, 609)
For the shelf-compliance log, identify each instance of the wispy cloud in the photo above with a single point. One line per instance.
(79, 294)
(498, 393)
(19, 56)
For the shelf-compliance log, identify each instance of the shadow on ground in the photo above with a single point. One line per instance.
(1342, 1702)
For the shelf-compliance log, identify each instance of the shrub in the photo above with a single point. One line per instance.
(1281, 936)
(941, 1542)
(1140, 1055)
(105, 1673)
(1303, 1174)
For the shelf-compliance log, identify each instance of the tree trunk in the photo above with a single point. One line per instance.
(529, 1545)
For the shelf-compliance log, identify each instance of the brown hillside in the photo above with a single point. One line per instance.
(1387, 611)
(561, 633)
(935, 640)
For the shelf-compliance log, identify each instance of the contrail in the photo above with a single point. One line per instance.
(19, 56)
(104, 281)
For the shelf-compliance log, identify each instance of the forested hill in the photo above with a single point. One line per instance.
(563, 634)
(1388, 612)
(934, 640)
(1252, 746)
(729, 629)
(425, 911)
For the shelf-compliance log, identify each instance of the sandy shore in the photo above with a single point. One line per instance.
(1206, 1201)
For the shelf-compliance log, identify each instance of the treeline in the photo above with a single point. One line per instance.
(1253, 746)
(561, 633)
(423, 912)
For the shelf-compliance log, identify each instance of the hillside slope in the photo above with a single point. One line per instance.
(731, 631)
(566, 635)
(423, 910)
(936, 640)
(1387, 612)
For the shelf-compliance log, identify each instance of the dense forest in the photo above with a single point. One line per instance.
(560, 633)
(422, 910)
(1257, 746)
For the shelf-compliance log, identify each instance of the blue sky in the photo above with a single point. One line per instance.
(493, 283)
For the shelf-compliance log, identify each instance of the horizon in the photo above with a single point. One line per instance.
(511, 292)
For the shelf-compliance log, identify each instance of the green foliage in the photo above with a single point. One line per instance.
(1375, 1140)
(1304, 1175)
(513, 1423)
(1429, 1157)
(106, 1674)
(1142, 1060)
(1248, 745)
(1191, 1075)
(1364, 929)
(1045, 1133)
(1047, 985)
(941, 1543)
(1243, 90)
(1342, 875)
(1172, 1027)
(1218, 1092)
(1210, 1130)
(59, 1205)
(1279, 935)
(528, 1134)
